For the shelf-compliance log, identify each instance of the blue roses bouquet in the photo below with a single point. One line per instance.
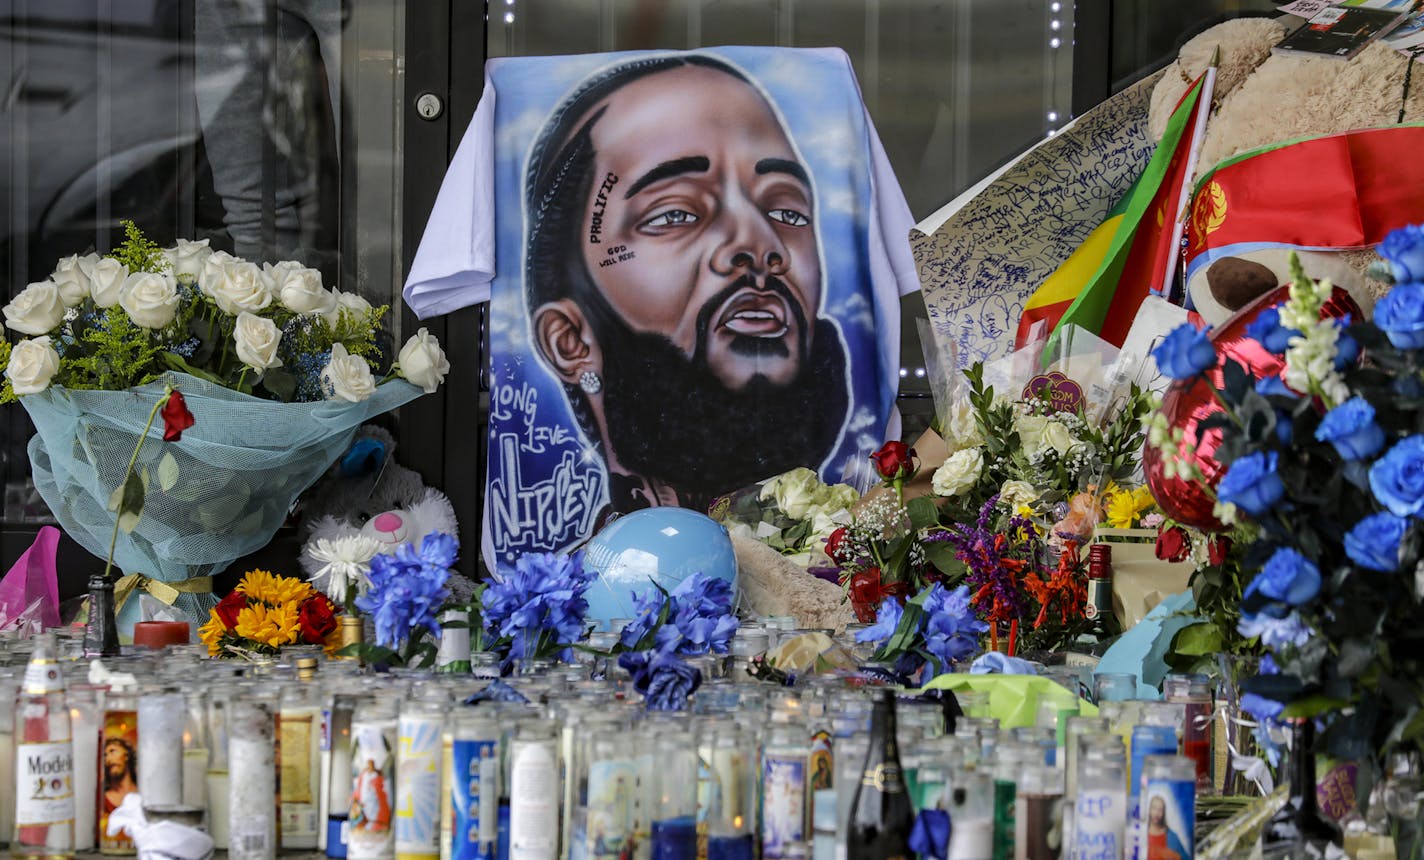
(537, 612)
(1325, 471)
(935, 628)
(694, 618)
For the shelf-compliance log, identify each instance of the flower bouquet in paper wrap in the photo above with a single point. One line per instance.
(793, 513)
(277, 369)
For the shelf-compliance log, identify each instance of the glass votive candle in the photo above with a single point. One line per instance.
(161, 714)
(252, 767)
(86, 717)
(1114, 686)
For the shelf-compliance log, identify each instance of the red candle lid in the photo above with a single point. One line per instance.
(158, 634)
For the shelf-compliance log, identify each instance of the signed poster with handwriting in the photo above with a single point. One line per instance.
(981, 265)
(693, 262)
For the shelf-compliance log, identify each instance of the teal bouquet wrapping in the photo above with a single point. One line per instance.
(276, 371)
(209, 499)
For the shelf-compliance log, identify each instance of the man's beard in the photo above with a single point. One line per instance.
(671, 419)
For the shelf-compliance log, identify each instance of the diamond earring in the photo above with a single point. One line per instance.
(590, 383)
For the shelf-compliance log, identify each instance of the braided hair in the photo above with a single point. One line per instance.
(558, 182)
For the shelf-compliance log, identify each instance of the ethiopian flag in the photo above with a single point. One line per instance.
(1131, 254)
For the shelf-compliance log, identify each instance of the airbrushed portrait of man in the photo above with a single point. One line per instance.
(674, 282)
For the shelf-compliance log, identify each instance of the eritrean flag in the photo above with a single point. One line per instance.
(1335, 192)
(1131, 254)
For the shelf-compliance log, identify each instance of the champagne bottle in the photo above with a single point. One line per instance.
(1099, 608)
(44, 759)
(1299, 826)
(881, 814)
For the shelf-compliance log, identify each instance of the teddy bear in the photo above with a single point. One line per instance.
(1263, 98)
(367, 492)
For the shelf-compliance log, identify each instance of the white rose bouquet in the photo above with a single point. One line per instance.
(278, 369)
(273, 331)
(793, 513)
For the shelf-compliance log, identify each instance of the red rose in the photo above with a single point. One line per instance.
(228, 608)
(318, 618)
(1173, 544)
(834, 543)
(895, 460)
(176, 417)
(867, 592)
(1217, 549)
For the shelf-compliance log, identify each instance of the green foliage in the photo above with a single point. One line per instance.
(7, 391)
(110, 353)
(138, 252)
(356, 330)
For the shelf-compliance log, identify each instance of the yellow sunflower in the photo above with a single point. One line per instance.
(274, 626)
(212, 633)
(1124, 507)
(274, 590)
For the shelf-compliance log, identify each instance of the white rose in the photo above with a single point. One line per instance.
(347, 376)
(38, 309)
(959, 474)
(33, 363)
(256, 339)
(796, 492)
(212, 270)
(1030, 429)
(300, 290)
(106, 281)
(1014, 494)
(188, 258)
(963, 428)
(241, 287)
(1059, 438)
(345, 302)
(149, 298)
(71, 280)
(423, 362)
(840, 497)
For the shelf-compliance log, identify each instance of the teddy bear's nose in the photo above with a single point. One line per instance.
(388, 522)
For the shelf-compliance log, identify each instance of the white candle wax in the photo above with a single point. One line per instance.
(160, 748)
(86, 725)
(252, 769)
(217, 808)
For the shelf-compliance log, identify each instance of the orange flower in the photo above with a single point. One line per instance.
(272, 589)
(273, 626)
(212, 633)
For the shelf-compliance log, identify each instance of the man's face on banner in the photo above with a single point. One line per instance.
(699, 224)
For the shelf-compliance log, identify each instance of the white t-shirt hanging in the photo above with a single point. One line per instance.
(693, 262)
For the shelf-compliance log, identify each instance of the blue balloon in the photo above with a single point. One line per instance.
(654, 545)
